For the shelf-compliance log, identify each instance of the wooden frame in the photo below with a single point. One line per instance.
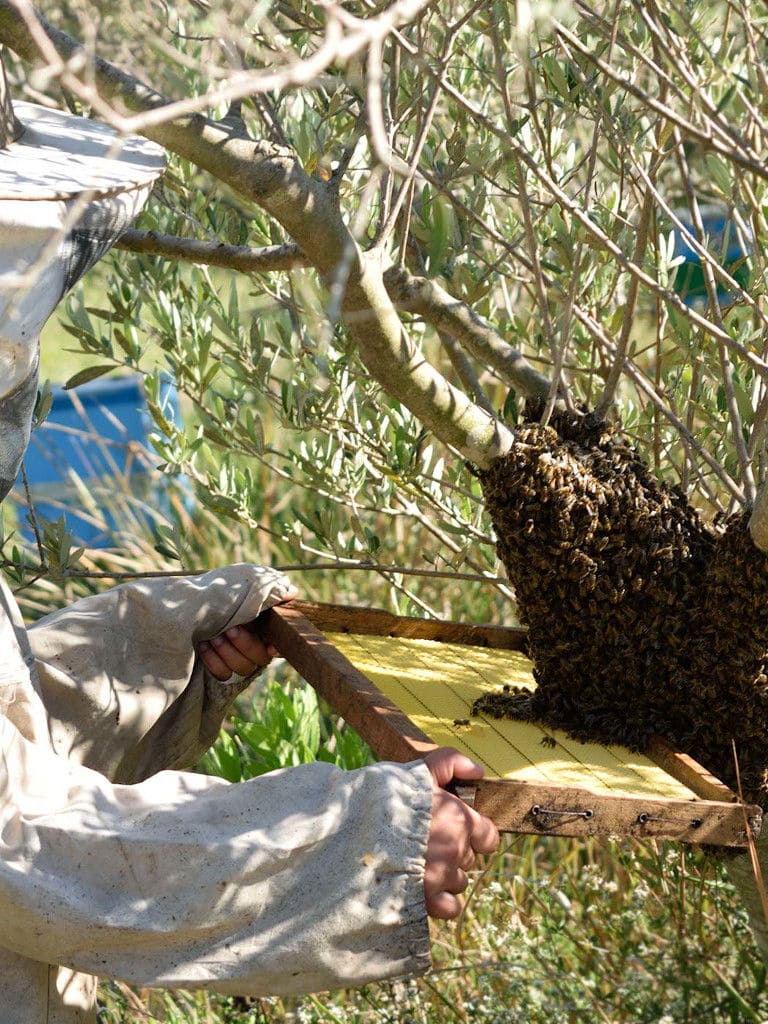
(715, 817)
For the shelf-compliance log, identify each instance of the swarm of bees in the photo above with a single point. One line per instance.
(643, 619)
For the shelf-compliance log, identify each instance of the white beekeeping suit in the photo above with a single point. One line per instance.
(68, 188)
(302, 880)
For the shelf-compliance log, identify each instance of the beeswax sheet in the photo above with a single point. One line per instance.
(435, 684)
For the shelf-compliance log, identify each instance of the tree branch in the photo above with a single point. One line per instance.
(309, 211)
(465, 371)
(737, 150)
(668, 295)
(213, 254)
(445, 313)
(415, 294)
(346, 36)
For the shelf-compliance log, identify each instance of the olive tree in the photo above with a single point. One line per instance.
(468, 273)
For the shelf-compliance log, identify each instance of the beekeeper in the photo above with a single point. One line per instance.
(305, 879)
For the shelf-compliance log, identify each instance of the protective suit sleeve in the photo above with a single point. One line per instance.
(302, 880)
(123, 689)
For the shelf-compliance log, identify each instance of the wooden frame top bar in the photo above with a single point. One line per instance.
(714, 816)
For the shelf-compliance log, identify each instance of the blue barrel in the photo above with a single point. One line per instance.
(727, 245)
(90, 460)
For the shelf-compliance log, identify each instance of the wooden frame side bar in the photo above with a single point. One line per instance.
(374, 622)
(391, 734)
(541, 809)
(683, 768)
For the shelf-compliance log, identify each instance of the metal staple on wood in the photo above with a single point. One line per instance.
(536, 811)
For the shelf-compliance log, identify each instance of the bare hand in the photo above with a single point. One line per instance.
(457, 834)
(239, 649)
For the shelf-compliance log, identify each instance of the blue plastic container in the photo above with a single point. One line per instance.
(89, 461)
(727, 246)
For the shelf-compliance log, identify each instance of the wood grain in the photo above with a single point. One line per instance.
(371, 621)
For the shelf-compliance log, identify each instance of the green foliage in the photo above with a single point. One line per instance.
(540, 141)
(283, 726)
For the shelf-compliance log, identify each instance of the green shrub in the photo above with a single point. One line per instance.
(281, 726)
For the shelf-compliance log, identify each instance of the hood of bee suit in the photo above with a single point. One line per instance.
(68, 189)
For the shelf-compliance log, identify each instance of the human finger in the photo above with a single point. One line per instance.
(443, 906)
(484, 836)
(215, 665)
(455, 882)
(443, 880)
(467, 862)
(448, 850)
(451, 880)
(232, 657)
(446, 764)
(249, 645)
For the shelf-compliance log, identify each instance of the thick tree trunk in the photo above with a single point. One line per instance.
(10, 129)
(751, 889)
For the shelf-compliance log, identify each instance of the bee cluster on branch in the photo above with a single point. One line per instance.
(644, 620)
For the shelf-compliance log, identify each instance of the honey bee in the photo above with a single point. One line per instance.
(630, 595)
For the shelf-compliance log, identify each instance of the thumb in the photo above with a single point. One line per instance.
(446, 764)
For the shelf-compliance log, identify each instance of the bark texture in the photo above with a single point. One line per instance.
(745, 878)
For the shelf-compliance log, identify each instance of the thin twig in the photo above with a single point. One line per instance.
(726, 365)
(466, 372)
(751, 844)
(645, 385)
(339, 564)
(642, 238)
(33, 519)
(538, 279)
